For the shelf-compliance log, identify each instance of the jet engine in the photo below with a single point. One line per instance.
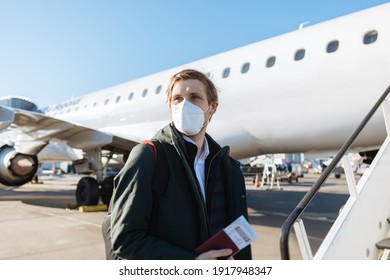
(16, 169)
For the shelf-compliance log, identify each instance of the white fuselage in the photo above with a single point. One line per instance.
(303, 105)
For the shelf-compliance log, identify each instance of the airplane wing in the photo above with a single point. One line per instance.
(39, 127)
(23, 134)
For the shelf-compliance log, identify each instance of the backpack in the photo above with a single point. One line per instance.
(159, 186)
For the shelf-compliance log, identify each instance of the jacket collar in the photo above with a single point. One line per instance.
(170, 135)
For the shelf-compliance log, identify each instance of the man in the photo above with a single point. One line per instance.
(205, 189)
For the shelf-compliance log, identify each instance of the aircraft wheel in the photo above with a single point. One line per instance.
(87, 192)
(106, 188)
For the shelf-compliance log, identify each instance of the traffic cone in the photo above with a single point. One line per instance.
(257, 181)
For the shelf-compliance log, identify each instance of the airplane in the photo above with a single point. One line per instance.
(304, 91)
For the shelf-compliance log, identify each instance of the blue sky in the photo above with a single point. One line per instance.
(52, 50)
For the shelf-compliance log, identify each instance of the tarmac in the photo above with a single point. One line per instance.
(36, 223)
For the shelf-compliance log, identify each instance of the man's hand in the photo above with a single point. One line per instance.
(215, 254)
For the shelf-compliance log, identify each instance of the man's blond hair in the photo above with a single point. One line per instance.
(190, 74)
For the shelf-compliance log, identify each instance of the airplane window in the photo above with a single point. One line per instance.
(94, 104)
(370, 37)
(332, 46)
(117, 99)
(158, 89)
(245, 68)
(300, 54)
(145, 92)
(226, 72)
(106, 102)
(131, 95)
(271, 61)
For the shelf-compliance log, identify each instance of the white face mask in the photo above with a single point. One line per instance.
(188, 118)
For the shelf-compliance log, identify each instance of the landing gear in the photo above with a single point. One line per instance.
(87, 192)
(90, 190)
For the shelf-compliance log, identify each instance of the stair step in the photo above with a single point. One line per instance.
(384, 244)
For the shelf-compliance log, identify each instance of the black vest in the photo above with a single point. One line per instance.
(215, 191)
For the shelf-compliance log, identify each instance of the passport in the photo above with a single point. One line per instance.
(235, 236)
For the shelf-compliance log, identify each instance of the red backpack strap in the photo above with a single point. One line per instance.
(151, 143)
(160, 180)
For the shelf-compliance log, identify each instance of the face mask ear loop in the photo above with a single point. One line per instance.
(211, 114)
(208, 121)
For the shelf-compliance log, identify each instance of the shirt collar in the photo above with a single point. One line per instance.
(206, 150)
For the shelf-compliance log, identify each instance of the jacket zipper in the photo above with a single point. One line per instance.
(207, 184)
(209, 169)
(196, 184)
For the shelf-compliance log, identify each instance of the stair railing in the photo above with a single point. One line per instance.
(300, 208)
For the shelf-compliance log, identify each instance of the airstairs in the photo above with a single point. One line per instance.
(362, 228)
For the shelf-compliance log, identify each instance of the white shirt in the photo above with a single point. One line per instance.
(199, 165)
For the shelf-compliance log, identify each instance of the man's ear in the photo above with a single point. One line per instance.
(170, 107)
(214, 106)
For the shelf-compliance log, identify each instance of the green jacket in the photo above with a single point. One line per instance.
(181, 223)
